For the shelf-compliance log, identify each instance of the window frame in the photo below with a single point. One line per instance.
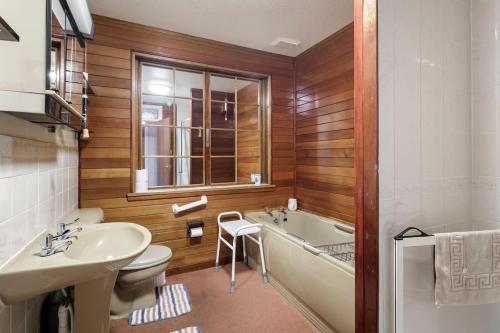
(263, 130)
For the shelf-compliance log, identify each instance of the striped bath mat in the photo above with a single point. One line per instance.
(192, 329)
(171, 301)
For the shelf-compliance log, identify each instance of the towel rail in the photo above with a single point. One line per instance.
(402, 241)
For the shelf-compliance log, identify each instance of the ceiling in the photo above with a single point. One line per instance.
(250, 23)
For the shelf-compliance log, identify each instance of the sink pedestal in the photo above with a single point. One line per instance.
(92, 300)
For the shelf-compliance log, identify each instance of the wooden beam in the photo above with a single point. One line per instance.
(366, 164)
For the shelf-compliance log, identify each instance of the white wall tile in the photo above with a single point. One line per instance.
(5, 199)
(425, 139)
(35, 173)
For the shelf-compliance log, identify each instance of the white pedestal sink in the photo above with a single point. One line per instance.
(91, 264)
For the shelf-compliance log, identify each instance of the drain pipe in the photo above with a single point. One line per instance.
(65, 315)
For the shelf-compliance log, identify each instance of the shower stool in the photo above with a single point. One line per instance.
(235, 228)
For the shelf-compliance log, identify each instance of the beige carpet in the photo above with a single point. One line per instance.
(254, 308)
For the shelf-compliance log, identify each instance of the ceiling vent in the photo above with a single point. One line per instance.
(288, 43)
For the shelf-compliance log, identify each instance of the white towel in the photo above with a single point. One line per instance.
(467, 268)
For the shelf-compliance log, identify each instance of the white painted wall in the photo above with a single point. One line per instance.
(38, 188)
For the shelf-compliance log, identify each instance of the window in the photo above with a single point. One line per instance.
(201, 128)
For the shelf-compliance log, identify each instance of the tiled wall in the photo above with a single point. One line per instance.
(485, 62)
(425, 138)
(38, 187)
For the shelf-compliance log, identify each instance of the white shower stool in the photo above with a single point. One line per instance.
(235, 228)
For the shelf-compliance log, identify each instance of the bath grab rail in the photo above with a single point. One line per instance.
(312, 249)
(176, 209)
(344, 229)
(402, 241)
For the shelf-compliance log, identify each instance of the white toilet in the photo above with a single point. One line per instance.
(135, 285)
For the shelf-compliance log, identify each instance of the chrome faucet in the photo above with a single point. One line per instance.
(270, 213)
(282, 210)
(48, 247)
(65, 233)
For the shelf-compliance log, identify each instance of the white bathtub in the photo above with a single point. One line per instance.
(295, 250)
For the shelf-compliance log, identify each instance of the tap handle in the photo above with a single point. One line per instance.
(75, 221)
(61, 228)
(47, 241)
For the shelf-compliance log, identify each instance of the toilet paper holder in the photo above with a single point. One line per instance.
(192, 225)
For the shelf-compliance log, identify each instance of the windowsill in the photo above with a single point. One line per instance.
(195, 191)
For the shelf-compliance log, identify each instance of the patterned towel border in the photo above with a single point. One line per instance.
(192, 329)
(171, 301)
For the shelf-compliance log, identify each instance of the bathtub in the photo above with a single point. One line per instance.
(311, 258)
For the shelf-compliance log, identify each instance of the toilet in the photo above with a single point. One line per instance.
(135, 285)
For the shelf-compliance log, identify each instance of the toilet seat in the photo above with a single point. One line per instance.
(154, 255)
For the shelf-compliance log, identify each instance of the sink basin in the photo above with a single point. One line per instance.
(105, 243)
(91, 264)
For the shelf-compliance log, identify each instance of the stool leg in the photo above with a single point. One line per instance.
(245, 257)
(232, 289)
(217, 267)
(263, 263)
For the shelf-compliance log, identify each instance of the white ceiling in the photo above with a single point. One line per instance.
(250, 23)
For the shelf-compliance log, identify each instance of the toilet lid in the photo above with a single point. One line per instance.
(154, 255)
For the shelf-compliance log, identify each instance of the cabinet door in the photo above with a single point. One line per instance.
(24, 62)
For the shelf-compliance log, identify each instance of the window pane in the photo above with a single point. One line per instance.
(189, 142)
(155, 108)
(189, 113)
(167, 141)
(189, 171)
(222, 115)
(197, 147)
(248, 117)
(189, 84)
(158, 141)
(157, 81)
(196, 113)
(222, 143)
(222, 170)
(248, 92)
(249, 152)
(222, 88)
(160, 171)
(196, 171)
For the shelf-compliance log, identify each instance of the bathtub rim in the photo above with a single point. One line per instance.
(250, 216)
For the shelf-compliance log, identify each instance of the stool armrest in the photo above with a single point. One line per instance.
(228, 214)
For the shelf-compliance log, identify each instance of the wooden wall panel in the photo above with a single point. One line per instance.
(105, 160)
(324, 134)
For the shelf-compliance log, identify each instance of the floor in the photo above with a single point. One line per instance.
(255, 307)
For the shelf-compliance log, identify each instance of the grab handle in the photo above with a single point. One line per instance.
(344, 229)
(311, 249)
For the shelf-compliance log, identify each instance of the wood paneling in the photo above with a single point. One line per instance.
(324, 79)
(106, 160)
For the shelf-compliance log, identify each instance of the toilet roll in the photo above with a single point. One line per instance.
(141, 186)
(141, 175)
(196, 232)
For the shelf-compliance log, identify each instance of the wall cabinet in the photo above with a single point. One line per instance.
(34, 71)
